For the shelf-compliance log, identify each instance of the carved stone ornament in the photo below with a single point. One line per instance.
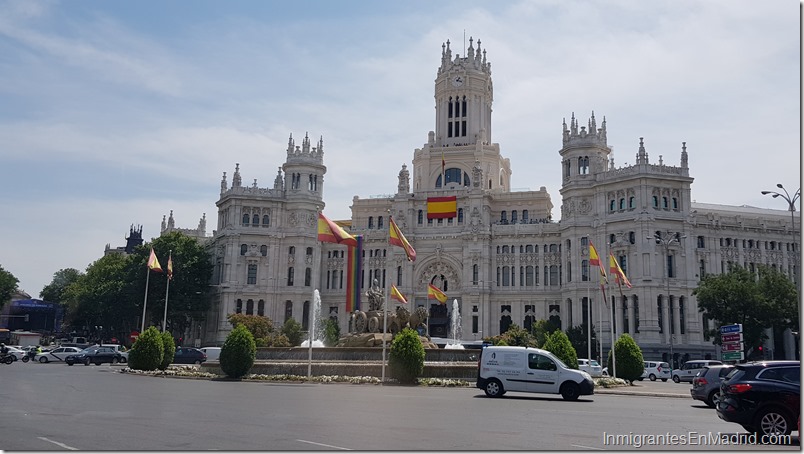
(585, 206)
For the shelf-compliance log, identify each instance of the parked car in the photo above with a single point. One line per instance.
(119, 349)
(691, 368)
(97, 355)
(654, 370)
(591, 367)
(188, 355)
(763, 397)
(58, 354)
(213, 353)
(524, 369)
(706, 385)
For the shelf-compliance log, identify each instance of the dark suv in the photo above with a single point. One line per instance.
(763, 397)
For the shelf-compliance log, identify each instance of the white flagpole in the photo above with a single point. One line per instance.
(167, 292)
(145, 302)
(385, 302)
(589, 326)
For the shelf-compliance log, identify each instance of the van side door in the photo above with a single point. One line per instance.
(542, 374)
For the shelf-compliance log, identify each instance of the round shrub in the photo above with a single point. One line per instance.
(406, 359)
(630, 363)
(168, 349)
(238, 352)
(147, 351)
(293, 331)
(559, 344)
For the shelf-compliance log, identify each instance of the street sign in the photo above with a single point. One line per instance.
(726, 329)
(732, 356)
(731, 347)
(736, 337)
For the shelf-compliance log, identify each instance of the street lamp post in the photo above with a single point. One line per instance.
(666, 241)
(791, 206)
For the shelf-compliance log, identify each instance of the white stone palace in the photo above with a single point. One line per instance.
(501, 255)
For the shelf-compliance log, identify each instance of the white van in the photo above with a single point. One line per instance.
(213, 353)
(524, 369)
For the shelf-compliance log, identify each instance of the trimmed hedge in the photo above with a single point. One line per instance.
(168, 349)
(238, 352)
(559, 344)
(630, 365)
(406, 360)
(147, 351)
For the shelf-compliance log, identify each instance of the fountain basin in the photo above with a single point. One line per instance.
(432, 369)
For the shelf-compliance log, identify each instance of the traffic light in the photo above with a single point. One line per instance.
(762, 351)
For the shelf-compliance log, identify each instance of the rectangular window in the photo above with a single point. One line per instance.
(660, 314)
(671, 270)
(252, 274)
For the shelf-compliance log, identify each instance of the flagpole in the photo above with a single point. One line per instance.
(145, 303)
(167, 290)
(613, 331)
(385, 303)
(589, 326)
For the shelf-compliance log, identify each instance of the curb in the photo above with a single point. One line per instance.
(624, 392)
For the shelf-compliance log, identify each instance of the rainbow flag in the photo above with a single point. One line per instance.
(442, 207)
(354, 268)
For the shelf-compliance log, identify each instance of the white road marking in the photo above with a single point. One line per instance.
(58, 444)
(322, 444)
(587, 447)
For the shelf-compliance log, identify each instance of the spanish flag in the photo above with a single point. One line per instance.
(434, 292)
(153, 262)
(170, 267)
(330, 232)
(397, 239)
(442, 207)
(594, 260)
(617, 272)
(397, 295)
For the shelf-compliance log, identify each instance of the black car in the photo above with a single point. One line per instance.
(187, 355)
(96, 355)
(763, 396)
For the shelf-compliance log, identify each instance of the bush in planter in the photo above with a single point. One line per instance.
(168, 349)
(630, 365)
(293, 331)
(559, 344)
(238, 352)
(406, 360)
(147, 351)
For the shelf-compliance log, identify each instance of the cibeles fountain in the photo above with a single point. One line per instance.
(454, 341)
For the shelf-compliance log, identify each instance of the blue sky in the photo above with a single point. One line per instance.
(115, 113)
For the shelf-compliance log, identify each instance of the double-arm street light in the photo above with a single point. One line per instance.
(667, 240)
(791, 205)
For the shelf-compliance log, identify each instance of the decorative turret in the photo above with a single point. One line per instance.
(278, 181)
(134, 239)
(171, 222)
(684, 158)
(305, 154)
(236, 181)
(575, 137)
(642, 155)
(223, 183)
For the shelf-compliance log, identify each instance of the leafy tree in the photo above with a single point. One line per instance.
(293, 331)
(168, 350)
(8, 285)
(578, 338)
(261, 328)
(630, 363)
(767, 299)
(541, 329)
(406, 359)
(332, 332)
(559, 344)
(62, 279)
(238, 352)
(148, 351)
(514, 336)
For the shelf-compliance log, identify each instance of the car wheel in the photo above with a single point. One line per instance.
(43, 359)
(114, 361)
(652, 377)
(570, 391)
(676, 379)
(773, 421)
(198, 362)
(713, 399)
(87, 362)
(123, 360)
(493, 388)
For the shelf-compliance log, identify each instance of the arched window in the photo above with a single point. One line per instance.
(371, 222)
(308, 275)
(266, 221)
(243, 249)
(250, 307)
(292, 250)
(309, 252)
(460, 215)
(513, 217)
(239, 307)
(664, 202)
(261, 308)
(255, 221)
(655, 202)
(379, 222)
(631, 202)
(503, 217)
(675, 203)
(421, 217)
(524, 216)
(622, 203)
(264, 250)
(612, 205)
(245, 219)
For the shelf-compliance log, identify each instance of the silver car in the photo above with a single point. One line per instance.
(56, 355)
(706, 385)
(691, 368)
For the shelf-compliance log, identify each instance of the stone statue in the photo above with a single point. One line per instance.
(375, 297)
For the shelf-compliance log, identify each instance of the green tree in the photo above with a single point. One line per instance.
(238, 352)
(514, 336)
(168, 350)
(406, 359)
(579, 339)
(261, 328)
(332, 332)
(54, 292)
(148, 350)
(559, 344)
(293, 331)
(757, 301)
(8, 285)
(630, 363)
(541, 329)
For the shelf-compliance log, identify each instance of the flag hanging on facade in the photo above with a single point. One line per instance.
(443, 166)
(397, 295)
(594, 260)
(330, 232)
(617, 272)
(442, 207)
(354, 269)
(396, 238)
(170, 267)
(434, 292)
(153, 262)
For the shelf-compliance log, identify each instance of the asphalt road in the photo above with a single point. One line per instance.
(56, 407)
